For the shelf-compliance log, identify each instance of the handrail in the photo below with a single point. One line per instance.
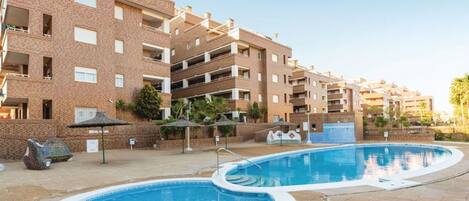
(240, 157)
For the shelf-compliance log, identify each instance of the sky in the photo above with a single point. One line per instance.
(421, 44)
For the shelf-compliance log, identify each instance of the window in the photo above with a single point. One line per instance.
(119, 81)
(197, 41)
(315, 96)
(259, 97)
(285, 98)
(118, 13)
(46, 25)
(274, 78)
(176, 31)
(323, 97)
(259, 76)
(188, 46)
(119, 46)
(85, 36)
(90, 3)
(275, 98)
(85, 75)
(284, 79)
(315, 110)
(173, 52)
(274, 58)
(84, 113)
(315, 83)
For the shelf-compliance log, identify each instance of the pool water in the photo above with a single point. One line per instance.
(179, 191)
(339, 164)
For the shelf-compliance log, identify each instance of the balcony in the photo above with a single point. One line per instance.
(18, 87)
(221, 84)
(165, 7)
(335, 96)
(211, 66)
(299, 88)
(16, 19)
(154, 53)
(299, 101)
(242, 105)
(335, 107)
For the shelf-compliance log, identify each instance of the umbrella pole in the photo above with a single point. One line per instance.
(183, 139)
(102, 143)
(226, 141)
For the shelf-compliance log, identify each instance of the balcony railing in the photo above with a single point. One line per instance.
(15, 28)
(152, 59)
(152, 28)
(16, 75)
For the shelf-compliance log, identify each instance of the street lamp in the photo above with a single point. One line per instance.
(308, 138)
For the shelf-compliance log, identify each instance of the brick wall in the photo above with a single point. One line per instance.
(426, 135)
(14, 133)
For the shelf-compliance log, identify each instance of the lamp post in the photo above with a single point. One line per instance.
(308, 138)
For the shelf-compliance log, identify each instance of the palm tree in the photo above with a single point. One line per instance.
(460, 94)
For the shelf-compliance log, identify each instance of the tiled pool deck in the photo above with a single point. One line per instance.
(85, 173)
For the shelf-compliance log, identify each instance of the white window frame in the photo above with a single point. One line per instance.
(90, 3)
(173, 52)
(197, 41)
(118, 13)
(119, 82)
(119, 46)
(315, 96)
(314, 83)
(87, 112)
(87, 71)
(259, 76)
(274, 58)
(275, 99)
(85, 35)
(274, 78)
(259, 97)
(176, 31)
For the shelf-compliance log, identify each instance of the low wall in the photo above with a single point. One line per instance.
(261, 135)
(15, 133)
(248, 130)
(426, 135)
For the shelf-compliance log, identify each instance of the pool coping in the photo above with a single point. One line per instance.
(281, 196)
(219, 177)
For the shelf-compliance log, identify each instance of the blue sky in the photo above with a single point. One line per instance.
(421, 44)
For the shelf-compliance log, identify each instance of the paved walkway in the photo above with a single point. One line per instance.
(85, 173)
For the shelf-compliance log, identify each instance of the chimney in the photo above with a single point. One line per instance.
(230, 23)
(189, 9)
(208, 15)
(311, 67)
(276, 35)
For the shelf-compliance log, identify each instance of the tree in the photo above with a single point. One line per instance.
(179, 109)
(459, 96)
(217, 107)
(148, 103)
(381, 122)
(254, 112)
(404, 121)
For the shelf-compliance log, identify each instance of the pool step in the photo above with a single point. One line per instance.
(248, 180)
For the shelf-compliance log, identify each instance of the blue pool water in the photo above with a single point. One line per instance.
(340, 164)
(179, 191)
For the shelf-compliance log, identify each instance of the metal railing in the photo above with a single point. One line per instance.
(239, 157)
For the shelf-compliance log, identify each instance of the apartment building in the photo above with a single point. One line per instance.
(309, 89)
(64, 60)
(343, 96)
(213, 59)
(382, 99)
(417, 106)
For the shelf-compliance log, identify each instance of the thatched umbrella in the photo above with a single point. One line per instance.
(224, 121)
(182, 123)
(282, 123)
(100, 120)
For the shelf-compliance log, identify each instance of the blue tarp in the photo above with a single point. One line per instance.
(335, 133)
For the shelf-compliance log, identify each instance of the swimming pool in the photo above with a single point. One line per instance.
(193, 189)
(381, 165)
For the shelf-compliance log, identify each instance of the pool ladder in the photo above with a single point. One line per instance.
(239, 157)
